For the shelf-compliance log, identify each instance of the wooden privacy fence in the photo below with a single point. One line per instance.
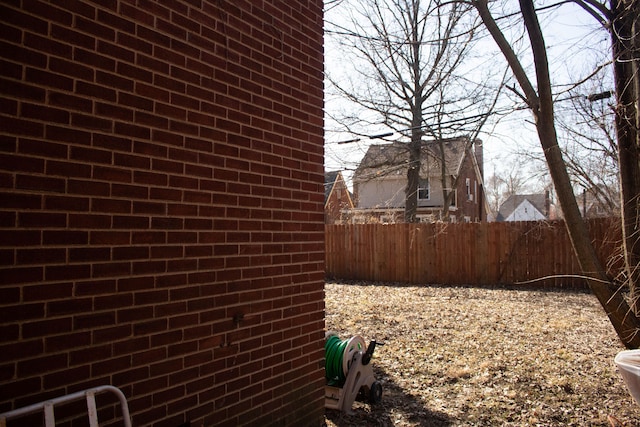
(533, 253)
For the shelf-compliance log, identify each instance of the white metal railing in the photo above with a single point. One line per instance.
(89, 395)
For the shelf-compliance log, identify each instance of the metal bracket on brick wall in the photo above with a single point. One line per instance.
(89, 395)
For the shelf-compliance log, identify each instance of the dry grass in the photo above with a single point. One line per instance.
(457, 356)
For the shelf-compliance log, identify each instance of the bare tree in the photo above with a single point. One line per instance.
(539, 99)
(590, 148)
(409, 76)
(501, 185)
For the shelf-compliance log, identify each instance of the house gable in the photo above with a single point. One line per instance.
(526, 207)
(337, 198)
(525, 211)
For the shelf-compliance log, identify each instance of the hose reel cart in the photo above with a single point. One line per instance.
(349, 373)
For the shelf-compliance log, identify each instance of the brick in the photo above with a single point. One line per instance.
(44, 113)
(32, 182)
(149, 208)
(95, 287)
(49, 291)
(41, 364)
(15, 126)
(132, 72)
(112, 111)
(69, 306)
(135, 101)
(64, 134)
(132, 130)
(21, 275)
(112, 142)
(111, 366)
(66, 203)
(71, 69)
(127, 191)
(111, 269)
(24, 348)
(64, 237)
(95, 91)
(41, 256)
(46, 327)
(91, 155)
(70, 375)
(42, 220)
(93, 321)
(135, 374)
(111, 205)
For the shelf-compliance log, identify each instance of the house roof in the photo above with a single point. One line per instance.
(330, 179)
(511, 204)
(388, 159)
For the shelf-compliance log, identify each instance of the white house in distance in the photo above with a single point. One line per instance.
(527, 207)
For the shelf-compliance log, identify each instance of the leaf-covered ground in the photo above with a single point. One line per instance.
(461, 356)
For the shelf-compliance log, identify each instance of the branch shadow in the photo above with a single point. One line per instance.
(396, 408)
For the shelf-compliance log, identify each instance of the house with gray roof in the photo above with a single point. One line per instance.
(380, 180)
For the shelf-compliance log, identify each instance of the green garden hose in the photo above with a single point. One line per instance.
(338, 355)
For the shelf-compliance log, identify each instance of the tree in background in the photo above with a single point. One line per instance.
(501, 186)
(590, 148)
(623, 21)
(410, 68)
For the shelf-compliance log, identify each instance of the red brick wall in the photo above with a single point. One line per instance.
(161, 207)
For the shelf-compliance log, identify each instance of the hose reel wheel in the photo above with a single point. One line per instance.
(375, 393)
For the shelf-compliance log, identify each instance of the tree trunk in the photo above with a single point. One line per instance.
(625, 46)
(413, 176)
(415, 146)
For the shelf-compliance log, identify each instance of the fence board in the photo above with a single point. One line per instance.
(475, 254)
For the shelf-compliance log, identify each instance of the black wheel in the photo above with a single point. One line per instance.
(375, 393)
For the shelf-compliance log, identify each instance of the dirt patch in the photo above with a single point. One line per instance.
(461, 356)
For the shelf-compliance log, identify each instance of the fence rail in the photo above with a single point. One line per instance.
(535, 253)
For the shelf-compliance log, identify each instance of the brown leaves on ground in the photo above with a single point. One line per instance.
(459, 356)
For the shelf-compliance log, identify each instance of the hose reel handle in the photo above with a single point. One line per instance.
(366, 357)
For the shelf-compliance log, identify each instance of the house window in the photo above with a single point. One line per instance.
(468, 185)
(423, 189)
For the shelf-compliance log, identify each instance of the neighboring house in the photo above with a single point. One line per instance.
(337, 198)
(380, 180)
(527, 207)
